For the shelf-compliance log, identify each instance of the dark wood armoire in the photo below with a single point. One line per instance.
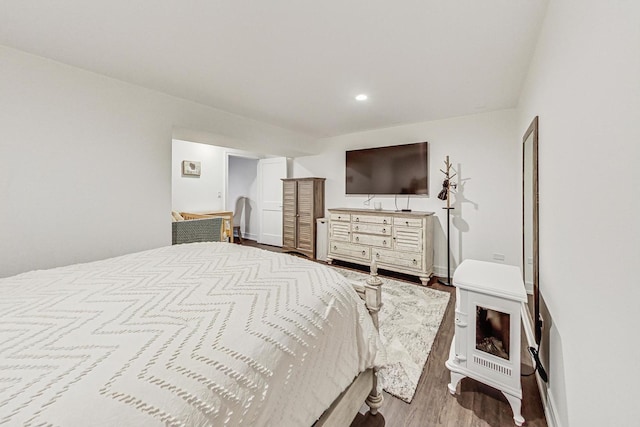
(302, 204)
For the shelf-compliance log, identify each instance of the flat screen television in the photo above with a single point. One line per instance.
(398, 169)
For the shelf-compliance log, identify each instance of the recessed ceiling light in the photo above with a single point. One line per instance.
(361, 97)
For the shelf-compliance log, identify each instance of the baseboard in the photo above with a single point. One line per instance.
(545, 392)
(439, 271)
(550, 411)
(250, 236)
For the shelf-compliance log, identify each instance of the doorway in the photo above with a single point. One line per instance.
(242, 193)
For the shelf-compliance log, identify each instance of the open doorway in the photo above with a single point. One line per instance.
(231, 181)
(242, 194)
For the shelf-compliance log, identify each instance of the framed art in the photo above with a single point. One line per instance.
(190, 168)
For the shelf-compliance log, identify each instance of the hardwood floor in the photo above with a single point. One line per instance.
(474, 405)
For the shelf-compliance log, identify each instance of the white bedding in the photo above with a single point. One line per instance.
(199, 334)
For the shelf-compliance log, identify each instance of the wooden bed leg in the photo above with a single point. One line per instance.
(373, 301)
(373, 293)
(375, 398)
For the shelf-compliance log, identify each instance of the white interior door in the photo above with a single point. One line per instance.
(270, 173)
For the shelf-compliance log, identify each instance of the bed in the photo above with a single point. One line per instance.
(194, 334)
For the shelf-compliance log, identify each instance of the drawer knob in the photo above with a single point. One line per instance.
(357, 228)
(377, 255)
(335, 247)
(339, 217)
(357, 219)
(406, 222)
(357, 238)
(384, 230)
(363, 253)
(415, 262)
(384, 221)
(384, 243)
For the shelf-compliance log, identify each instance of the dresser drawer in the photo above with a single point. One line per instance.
(404, 259)
(371, 228)
(407, 222)
(371, 219)
(369, 239)
(340, 216)
(349, 250)
(340, 231)
(408, 239)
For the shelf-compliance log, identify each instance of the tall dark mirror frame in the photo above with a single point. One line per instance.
(530, 268)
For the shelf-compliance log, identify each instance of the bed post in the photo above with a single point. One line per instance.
(373, 301)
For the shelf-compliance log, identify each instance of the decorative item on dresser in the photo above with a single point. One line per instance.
(397, 241)
(486, 343)
(302, 204)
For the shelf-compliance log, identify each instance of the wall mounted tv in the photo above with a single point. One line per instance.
(398, 169)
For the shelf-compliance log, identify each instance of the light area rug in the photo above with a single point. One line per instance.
(409, 321)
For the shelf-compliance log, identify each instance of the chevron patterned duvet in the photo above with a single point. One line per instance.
(194, 335)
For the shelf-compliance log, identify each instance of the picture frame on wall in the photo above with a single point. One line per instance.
(190, 168)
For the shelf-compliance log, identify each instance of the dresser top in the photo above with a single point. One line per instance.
(490, 278)
(309, 178)
(381, 212)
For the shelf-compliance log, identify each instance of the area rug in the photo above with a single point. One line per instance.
(409, 321)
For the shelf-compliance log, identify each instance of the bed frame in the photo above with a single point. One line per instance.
(364, 387)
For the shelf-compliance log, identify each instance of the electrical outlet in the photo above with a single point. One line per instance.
(219, 194)
(498, 257)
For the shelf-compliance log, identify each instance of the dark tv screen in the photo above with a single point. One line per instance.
(398, 169)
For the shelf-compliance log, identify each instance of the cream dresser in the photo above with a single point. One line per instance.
(398, 241)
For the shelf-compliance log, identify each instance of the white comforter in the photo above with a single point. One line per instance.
(199, 334)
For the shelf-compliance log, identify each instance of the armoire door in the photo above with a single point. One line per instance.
(306, 220)
(289, 212)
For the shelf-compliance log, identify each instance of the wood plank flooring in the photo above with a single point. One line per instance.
(474, 405)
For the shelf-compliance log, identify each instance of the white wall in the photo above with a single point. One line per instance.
(191, 193)
(85, 161)
(243, 181)
(584, 85)
(482, 147)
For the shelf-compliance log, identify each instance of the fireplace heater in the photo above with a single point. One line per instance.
(486, 344)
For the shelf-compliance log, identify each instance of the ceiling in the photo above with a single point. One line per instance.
(297, 64)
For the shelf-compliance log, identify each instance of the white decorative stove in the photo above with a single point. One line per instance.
(486, 344)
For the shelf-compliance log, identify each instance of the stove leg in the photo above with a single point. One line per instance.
(515, 403)
(455, 379)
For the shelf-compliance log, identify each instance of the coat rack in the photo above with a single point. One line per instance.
(445, 194)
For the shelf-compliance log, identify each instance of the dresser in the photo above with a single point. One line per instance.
(398, 241)
(302, 205)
